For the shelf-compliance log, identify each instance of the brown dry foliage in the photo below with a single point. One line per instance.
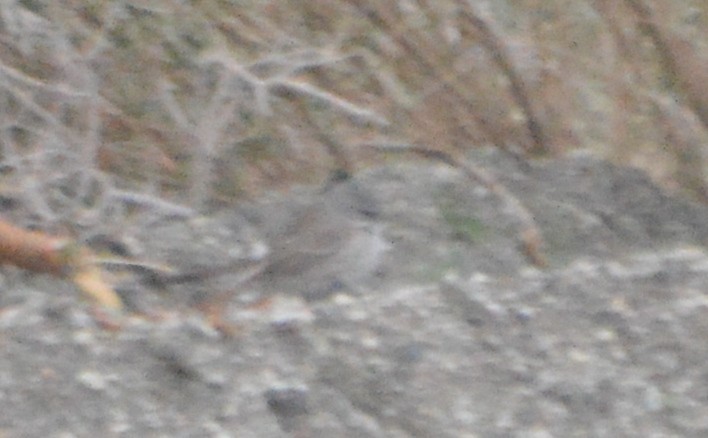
(110, 106)
(218, 100)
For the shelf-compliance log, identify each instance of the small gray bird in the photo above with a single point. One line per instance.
(317, 248)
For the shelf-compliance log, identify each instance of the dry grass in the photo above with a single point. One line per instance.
(109, 105)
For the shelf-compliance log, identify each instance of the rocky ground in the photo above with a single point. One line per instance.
(458, 336)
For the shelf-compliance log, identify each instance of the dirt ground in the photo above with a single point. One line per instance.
(456, 336)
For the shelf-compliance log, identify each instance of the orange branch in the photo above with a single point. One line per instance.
(60, 257)
(31, 250)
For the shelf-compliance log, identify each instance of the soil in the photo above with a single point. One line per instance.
(456, 336)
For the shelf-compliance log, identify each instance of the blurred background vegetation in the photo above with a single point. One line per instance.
(177, 106)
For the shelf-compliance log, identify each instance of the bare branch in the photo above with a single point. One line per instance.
(357, 114)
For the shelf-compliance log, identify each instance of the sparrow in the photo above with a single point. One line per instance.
(334, 242)
(314, 246)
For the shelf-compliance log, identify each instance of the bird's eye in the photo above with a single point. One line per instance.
(369, 213)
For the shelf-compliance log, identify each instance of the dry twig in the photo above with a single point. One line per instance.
(529, 234)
